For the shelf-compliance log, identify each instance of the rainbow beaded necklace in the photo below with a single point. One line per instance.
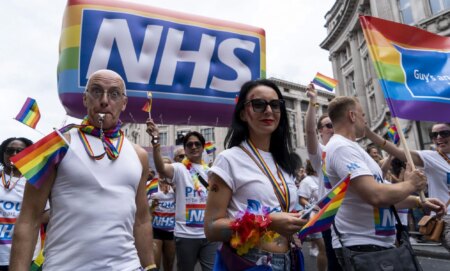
(194, 174)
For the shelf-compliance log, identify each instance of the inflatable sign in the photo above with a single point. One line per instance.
(194, 66)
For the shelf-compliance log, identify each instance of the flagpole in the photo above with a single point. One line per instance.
(407, 152)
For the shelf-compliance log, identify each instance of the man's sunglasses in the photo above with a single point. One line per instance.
(12, 151)
(260, 105)
(328, 125)
(191, 144)
(443, 134)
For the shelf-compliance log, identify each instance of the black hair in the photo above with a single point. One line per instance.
(5, 143)
(396, 166)
(280, 141)
(196, 134)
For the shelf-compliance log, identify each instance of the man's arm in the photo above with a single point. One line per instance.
(28, 224)
(390, 148)
(385, 195)
(143, 233)
(311, 137)
(165, 170)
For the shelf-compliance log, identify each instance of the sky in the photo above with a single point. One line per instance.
(31, 29)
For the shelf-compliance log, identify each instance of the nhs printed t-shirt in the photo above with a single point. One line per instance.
(251, 188)
(190, 204)
(437, 171)
(163, 216)
(358, 222)
(10, 205)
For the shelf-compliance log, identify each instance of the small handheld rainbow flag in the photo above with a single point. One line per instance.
(29, 114)
(37, 161)
(392, 132)
(210, 147)
(327, 83)
(148, 105)
(329, 207)
(152, 187)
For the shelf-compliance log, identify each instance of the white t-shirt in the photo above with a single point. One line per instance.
(437, 171)
(309, 189)
(316, 162)
(10, 205)
(163, 217)
(358, 222)
(191, 204)
(251, 188)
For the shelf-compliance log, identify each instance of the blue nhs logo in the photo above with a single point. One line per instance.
(168, 57)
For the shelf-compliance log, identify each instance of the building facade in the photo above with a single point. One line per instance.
(351, 62)
(296, 103)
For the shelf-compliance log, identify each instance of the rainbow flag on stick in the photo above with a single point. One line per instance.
(152, 187)
(392, 132)
(37, 161)
(148, 105)
(327, 83)
(29, 114)
(413, 68)
(210, 147)
(329, 207)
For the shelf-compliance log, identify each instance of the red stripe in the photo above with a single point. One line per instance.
(195, 206)
(159, 214)
(7, 220)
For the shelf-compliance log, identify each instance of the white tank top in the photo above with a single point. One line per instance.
(93, 210)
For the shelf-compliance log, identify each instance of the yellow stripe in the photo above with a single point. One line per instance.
(70, 37)
(388, 55)
(30, 165)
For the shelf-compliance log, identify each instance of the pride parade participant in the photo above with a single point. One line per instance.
(99, 216)
(252, 185)
(191, 181)
(369, 197)
(436, 164)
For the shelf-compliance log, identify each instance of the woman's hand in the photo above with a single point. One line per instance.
(286, 224)
(435, 205)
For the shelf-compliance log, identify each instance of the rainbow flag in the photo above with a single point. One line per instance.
(210, 147)
(392, 132)
(329, 205)
(148, 105)
(152, 186)
(326, 82)
(29, 114)
(413, 68)
(37, 161)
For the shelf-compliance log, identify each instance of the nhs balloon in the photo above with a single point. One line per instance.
(193, 66)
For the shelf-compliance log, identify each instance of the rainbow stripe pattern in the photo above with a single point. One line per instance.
(38, 161)
(329, 207)
(29, 114)
(140, 35)
(392, 132)
(326, 82)
(412, 66)
(210, 147)
(152, 187)
(148, 104)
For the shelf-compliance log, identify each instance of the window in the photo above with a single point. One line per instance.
(293, 128)
(208, 134)
(304, 106)
(405, 9)
(351, 89)
(439, 5)
(180, 136)
(373, 107)
(163, 139)
(289, 103)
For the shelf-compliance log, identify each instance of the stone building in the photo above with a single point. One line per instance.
(296, 105)
(351, 62)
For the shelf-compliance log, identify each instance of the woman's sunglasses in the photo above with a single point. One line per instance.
(11, 151)
(191, 144)
(260, 105)
(443, 134)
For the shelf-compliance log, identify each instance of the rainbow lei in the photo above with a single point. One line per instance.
(194, 174)
(250, 229)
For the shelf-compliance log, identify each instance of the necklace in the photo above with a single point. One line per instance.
(9, 184)
(444, 156)
(112, 153)
(194, 174)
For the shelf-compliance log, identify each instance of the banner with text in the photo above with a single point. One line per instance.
(194, 66)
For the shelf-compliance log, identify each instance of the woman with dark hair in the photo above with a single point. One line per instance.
(11, 194)
(252, 190)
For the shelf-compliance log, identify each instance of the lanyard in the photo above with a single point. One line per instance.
(282, 193)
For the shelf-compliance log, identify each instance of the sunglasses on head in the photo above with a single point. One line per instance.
(191, 144)
(328, 125)
(443, 134)
(260, 105)
(12, 151)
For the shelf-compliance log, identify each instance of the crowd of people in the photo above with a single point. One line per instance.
(240, 213)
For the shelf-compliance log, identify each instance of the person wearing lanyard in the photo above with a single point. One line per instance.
(255, 176)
